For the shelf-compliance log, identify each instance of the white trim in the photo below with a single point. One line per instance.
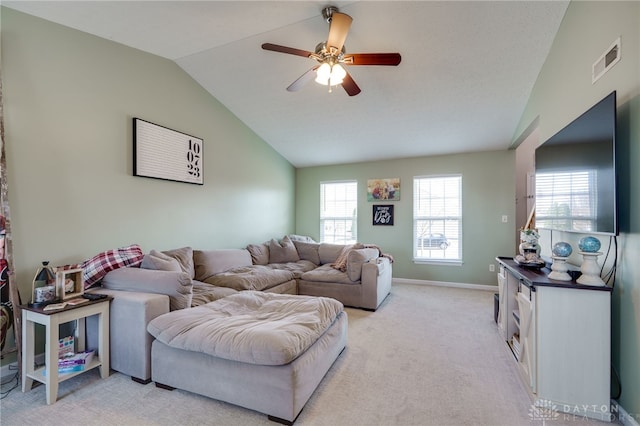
(442, 262)
(482, 287)
(622, 416)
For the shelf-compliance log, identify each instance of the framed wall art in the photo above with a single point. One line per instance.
(383, 189)
(383, 214)
(162, 153)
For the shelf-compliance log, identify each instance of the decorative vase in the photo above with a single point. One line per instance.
(562, 249)
(526, 248)
(589, 244)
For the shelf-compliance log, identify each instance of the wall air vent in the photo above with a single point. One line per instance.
(609, 58)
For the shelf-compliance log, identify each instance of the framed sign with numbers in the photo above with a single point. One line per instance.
(162, 153)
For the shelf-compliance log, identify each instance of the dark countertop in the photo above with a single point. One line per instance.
(539, 277)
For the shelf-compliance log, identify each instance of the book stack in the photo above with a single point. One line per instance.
(73, 362)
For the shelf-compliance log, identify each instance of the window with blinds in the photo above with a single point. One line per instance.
(566, 200)
(338, 212)
(437, 218)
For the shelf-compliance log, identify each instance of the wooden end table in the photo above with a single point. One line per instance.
(51, 320)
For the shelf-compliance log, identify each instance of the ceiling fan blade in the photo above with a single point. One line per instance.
(285, 49)
(373, 59)
(303, 79)
(350, 86)
(338, 30)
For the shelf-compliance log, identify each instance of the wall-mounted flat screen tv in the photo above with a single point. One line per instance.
(576, 174)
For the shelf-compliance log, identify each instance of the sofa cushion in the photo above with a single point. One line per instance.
(282, 251)
(253, 277)
(184, 257)
(329, 252)
(98, 266)
(180, 260)
(341, 261)
(205, 293)
(357, 258)
(308, 251)
(176, 285)
(159, 261)
(297, 268)
(327, 274)
(211, 262)
(250, 327)
(259, 253)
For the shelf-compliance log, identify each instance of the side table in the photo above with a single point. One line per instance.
(51, 320)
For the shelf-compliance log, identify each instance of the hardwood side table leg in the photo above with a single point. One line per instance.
(28, 351)
(51, 357)
(103, 341)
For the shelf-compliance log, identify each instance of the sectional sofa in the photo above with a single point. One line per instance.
(358, 276)
(170, 318)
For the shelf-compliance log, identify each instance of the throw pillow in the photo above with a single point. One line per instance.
(160, 262)
(329, 252)
(308, 251)
(213, 262)
(96, 268)
(259, 253)
(184, 256)
(357, 258)
(341, 261)
(282, 251)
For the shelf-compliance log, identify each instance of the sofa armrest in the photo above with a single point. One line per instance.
(376, 282)
(129, 341)
(177, 285)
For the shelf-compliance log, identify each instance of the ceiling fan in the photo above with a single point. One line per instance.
(331, 56)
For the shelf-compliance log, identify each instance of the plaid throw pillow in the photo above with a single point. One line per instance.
(96, 268)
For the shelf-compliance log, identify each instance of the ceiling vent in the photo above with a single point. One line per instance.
(609, 58)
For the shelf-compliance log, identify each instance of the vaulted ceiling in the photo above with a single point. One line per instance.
(466, 73)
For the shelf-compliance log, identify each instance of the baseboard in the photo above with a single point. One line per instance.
(622, 416)
(482, 287)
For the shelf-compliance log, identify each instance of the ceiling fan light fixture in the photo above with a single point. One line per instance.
(329, 75)
(331, 56)
(337, 75)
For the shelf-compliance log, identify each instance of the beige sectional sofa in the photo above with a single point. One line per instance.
(182, 278)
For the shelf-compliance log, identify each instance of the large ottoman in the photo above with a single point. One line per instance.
(264, 351)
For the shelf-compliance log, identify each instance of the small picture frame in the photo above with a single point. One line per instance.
(69, 283)
(383, 214)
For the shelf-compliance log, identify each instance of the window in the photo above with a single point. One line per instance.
(437, 218)
(338, 212)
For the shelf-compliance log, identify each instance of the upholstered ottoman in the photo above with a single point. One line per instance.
(263, 351)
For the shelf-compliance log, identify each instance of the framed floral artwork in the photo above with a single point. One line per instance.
(383, 189)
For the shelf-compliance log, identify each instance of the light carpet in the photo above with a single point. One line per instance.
(428, 356)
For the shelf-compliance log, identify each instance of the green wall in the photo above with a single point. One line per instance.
(69, 99)
(488, 190)
(562, 92)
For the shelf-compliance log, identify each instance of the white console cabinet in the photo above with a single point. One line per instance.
(560, 335)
